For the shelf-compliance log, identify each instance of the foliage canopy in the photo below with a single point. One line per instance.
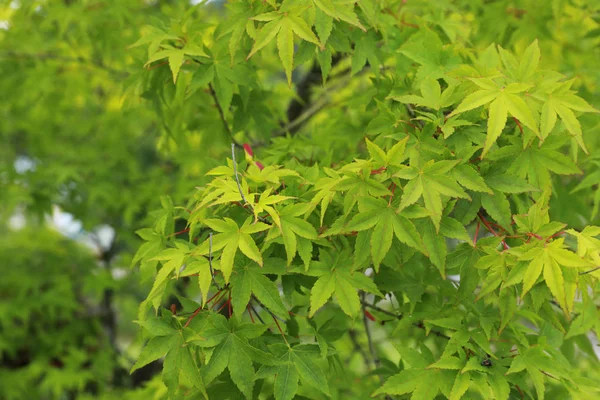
(330, 199)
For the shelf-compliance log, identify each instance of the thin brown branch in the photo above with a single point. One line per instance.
(372, 349)
(213, 94)
(65, 59)
(419, 325)
(491, 230)
(590, 271)
(358, 348)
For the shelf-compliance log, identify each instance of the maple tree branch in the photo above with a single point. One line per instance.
(256, 313)
(590, 271)
(372, 349)
(299, 105)
(419, 325)
(67, 59)
(213, 94)
(491, 230)
(358, 348)
(265, 308)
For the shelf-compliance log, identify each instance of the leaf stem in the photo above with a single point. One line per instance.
(590, 271)
(221, 113)
(372, 349)
(491, 230)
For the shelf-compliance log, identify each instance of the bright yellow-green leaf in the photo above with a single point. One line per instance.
(475, 100)
(532, 274)
(249, 248)
(571, 123)
(227, 258)
(547, 119)
(529, 61)
(496, 122)
(321, 292)
(381, 240)
(411, 193)
(175, 61)
(461, 385)
(265, 35)
(517, 107)
(556, 283)
(433, 204)
(285, 45)
(301, 28)
(347, 297)
(340, 9)
(266, 291)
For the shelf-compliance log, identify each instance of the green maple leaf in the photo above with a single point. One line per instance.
(230, 238)
(562, 104)
(164, 336)
(292, 226)
(536, 163)
(587, 243)
(285, 25)
(286, 379)
(432, 95)
(550, 260)
(175, 56)
(179, 361)
(384, 223)
(325, 193)
(502, 100)
(340, 10)
(394, 156)
(422, 383)
(265, 202)
(236, 26)
(248, 280)
(295, 363)
(435, 59)
(231, 350)
(336, 276)
(167, 341)
(430, 182)
(538, 361)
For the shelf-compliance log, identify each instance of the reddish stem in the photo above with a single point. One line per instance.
(250, 313)
(393, 188)
(192, 316)
(223, 306)
(229, 304)
(491, 230)
(280, 330)
(520, 391)
(157, 65)
(378, 171)
(535, 236)
(217, 300)
(519, 125)
(180, 232)
(215, 295)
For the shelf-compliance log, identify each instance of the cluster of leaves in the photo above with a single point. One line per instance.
(444, 226)
(45, 290)
(396, 234)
